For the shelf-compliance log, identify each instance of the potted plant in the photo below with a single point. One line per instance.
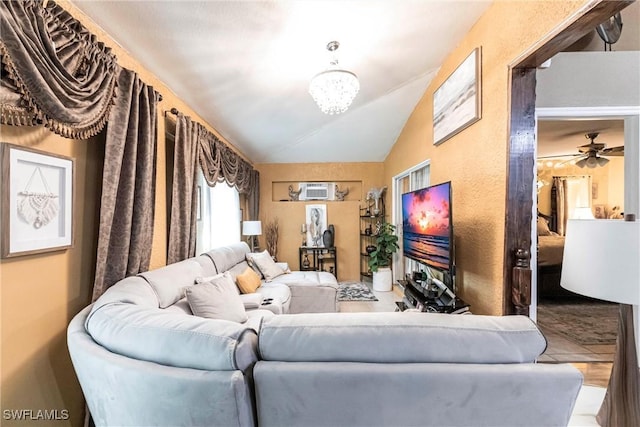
(380, 259)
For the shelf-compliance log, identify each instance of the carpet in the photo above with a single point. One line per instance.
(583, 323)
(355, 291)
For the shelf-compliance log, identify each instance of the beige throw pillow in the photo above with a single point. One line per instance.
(248, 281)
(268, 267)
(217, 299)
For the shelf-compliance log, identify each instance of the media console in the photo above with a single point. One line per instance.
(430, 295)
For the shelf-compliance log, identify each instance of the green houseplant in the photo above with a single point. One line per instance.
(380, 259)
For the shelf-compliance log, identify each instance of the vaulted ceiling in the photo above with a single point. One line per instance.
(245, 66)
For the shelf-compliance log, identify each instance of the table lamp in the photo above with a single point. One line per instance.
(602, 260)
(251, 229)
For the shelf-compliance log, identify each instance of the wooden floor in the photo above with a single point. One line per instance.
(593, 361)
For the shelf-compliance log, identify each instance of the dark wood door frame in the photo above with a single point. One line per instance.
(522, 144)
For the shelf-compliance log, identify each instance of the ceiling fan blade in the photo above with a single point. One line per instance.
(613, 151)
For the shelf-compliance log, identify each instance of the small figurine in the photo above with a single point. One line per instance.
(293, 194)
(340, 195)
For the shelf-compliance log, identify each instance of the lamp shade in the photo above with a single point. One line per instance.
(602, 260)
(251, 228)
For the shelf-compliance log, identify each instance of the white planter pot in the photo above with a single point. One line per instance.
(382, 280)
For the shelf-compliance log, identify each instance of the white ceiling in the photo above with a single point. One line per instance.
(245, 66)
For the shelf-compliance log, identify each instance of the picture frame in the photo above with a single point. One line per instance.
(37, 201)
(457, 102)
(316, 220)
(600, 211)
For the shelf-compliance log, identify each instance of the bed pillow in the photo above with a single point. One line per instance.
(248, 281)
(543, 227)
(268, 267)
(217, 299)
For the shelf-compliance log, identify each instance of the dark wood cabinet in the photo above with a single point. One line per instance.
(318, 259)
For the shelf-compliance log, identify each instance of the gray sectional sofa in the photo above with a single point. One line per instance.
(142, 358)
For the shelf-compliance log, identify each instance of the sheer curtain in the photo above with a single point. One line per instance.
(219, 215)
(571, 192)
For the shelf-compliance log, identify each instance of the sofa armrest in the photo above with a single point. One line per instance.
(400, 338)
(251, 301)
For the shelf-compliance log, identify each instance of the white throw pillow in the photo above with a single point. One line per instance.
(217, 299)
(268, 267)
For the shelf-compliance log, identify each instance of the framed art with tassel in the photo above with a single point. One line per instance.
(37, 201)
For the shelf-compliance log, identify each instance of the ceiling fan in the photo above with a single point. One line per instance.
(591, 153)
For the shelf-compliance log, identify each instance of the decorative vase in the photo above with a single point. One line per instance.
(327, 237)
(305, 262)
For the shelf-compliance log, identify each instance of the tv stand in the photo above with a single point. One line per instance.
(431, 295)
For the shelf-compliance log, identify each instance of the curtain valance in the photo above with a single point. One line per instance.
(54, 71)
(220, 163)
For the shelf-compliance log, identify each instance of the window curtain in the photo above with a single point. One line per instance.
(128, 184)
(569, 192)
(54, 72)
(195, 144)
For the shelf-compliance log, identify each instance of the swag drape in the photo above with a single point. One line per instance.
(128, 184)
(195, 144)
(54, 72)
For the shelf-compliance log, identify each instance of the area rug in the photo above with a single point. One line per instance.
(355, 291)
(583, 323)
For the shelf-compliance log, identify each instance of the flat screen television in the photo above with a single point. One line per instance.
(427, 226)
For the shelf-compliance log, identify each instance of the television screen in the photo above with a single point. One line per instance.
(426, 226)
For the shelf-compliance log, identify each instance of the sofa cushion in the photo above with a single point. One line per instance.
(225, 257)
(251, 301)
(400, 338)
(173, 339)
(217, 299)
(249, 258)
(169, 282)
(248, 281)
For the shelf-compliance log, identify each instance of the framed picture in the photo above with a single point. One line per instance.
(600, 211)
(316, 217)
(456, 103)
(37, 201)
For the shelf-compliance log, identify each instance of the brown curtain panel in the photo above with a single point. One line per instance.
(182, 224)
(193, 144)
(128, 185)
(54, 71)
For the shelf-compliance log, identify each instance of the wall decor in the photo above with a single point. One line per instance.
(316, 217)
(37, 201)
(456, 103)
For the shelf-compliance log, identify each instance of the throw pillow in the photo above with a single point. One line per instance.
(249, 257)
(205, 279)
(270, 270)
(248, 281)
(217, 299)
(543, 227)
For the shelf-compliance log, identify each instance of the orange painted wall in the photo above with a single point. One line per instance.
(475, 160)
(360, 177)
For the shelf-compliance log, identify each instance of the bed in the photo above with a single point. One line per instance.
(550, 251)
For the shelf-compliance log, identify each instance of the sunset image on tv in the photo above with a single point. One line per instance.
(426, 225)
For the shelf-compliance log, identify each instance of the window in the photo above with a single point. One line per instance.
(413, 178)
(219, 222)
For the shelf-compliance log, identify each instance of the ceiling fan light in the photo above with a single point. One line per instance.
(591, 162)
(602, 161)
(581, 163)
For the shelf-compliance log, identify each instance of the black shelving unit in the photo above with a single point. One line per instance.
(369, 221)
(318, 259)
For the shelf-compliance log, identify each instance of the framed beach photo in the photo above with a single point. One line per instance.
(456, 103)
(37, 201)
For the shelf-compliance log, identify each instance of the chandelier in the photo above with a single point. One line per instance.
(334, 89)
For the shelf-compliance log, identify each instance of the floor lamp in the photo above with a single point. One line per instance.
(251, 229)
(602, 260)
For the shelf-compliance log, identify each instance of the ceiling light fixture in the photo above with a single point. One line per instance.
(334, 89)
(592, 162)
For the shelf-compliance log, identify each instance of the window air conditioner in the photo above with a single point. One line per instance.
(317, 191)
